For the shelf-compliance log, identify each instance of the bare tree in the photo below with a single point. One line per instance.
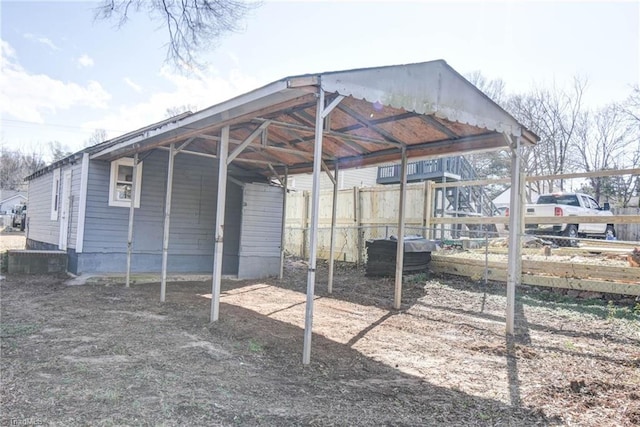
(191, 25)
(527, 109)
(98, 136)
(631, 107)
(602, 144)
(493, 88)
(630, 110)
(177, 110)
(553, 115)
(490, 164)
(15, 166)
(58, 150)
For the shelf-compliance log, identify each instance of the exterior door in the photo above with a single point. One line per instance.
(65, 210)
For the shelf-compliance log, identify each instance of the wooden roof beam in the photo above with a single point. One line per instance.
(431, 121)
(354, 138)
(369, 124)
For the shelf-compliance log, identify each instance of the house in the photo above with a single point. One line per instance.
(81, 205)
(356, 177)
(9, 199)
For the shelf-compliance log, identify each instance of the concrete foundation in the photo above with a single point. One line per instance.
(37, 262)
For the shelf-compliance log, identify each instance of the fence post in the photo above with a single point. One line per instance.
(305, 224)
(357, 219)
(427, 209)
(444, 201)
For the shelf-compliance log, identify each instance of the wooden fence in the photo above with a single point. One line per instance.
(627, 232)
(361, 214)
(372, 212)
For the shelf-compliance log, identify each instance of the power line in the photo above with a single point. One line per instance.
(26, 124)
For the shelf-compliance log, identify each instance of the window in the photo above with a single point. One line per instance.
(55, 195)
(593, 203)
(121, 183)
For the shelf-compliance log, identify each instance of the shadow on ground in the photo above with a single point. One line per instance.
(107, 354)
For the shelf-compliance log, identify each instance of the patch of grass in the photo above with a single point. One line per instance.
(611, 310)
(82, 368)
(119, 350)
(594, 307)
(107, 396)
(255, 346)
(15, 330)
(483, 416)
(420, 278)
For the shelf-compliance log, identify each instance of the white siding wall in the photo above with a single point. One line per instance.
(40, 226)
(348, 178)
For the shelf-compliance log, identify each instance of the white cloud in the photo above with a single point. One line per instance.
(45, 41)
(6, 50)
(26, 96)
(133, 85)
(85, 61)
(203, 91)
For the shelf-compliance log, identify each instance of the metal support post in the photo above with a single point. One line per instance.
(167, 217)
(311, 274)
(515, 227)
(333, 228)
(397, 298)
(223, 151)
(284, 220)
(131, 215)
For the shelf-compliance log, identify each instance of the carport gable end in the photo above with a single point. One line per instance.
(431, 88)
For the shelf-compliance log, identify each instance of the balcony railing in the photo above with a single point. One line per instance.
(457, 168)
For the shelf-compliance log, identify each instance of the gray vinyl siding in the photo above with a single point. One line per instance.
(193, 207)
(40, 226)
(260, 237)
(192, 217)
(106, 227)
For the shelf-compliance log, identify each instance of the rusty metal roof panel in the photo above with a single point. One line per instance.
(431, 88)
(427, 107)
(414, 130)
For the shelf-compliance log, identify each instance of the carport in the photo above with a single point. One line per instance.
(333, 121)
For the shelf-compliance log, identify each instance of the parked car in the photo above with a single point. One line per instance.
(19, 218)
(573, 206)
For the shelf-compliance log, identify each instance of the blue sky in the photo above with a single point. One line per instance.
(64, 75)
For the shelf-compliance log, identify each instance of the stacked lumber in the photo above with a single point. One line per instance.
(381, 256)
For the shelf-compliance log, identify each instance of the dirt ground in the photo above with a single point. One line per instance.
(11, 238)
(106, 355)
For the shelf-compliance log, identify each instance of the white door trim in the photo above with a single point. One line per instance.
(65, 210)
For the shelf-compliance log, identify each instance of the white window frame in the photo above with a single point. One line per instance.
(55, 195)
(113, 177)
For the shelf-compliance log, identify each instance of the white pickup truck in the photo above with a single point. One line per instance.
(571, 205)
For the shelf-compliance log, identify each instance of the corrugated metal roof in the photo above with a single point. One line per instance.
(427, 107)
